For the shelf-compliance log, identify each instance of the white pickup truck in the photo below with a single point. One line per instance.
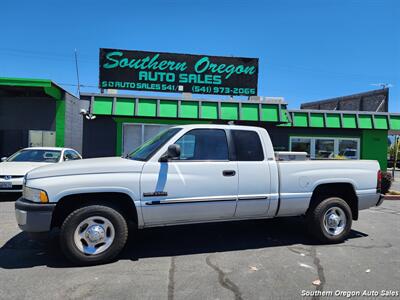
(191, 174)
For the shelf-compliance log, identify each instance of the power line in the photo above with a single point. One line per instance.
(88, 58)
(80, 85)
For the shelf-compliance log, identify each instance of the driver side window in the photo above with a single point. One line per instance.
(70, 155)
(204, 144)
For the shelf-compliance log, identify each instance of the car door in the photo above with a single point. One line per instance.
(254, 174)
(200, 185)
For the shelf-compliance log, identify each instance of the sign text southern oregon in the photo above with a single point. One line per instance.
(169, 72)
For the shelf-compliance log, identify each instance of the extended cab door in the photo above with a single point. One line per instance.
(201, 185)
(254, 174)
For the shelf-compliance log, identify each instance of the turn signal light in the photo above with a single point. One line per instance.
(43, 197)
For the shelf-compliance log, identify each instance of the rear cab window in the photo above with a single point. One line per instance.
(248, 145)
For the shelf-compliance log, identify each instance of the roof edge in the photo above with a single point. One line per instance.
(50, 88)
(25, 82)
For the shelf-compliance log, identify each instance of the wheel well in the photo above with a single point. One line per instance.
(343, 190)
(119, 201)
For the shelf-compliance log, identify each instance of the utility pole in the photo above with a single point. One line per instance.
(77, 74)
(396, 150)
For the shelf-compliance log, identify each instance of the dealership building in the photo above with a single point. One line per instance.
(35, 112)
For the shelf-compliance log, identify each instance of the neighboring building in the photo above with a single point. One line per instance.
(36, 112)
(123, 122)
(376, 101)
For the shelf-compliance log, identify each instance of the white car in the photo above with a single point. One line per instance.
(14, 168)
(192, 174)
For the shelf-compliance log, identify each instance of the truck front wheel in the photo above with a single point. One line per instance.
(330, 221)
(93, 234)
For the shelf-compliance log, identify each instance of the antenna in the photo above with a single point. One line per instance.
(77, 73)
(382, 85)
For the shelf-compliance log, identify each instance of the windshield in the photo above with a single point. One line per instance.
(36, 155)
(145, 151)
(348, 153)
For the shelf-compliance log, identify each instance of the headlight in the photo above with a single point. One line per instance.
(35, 195)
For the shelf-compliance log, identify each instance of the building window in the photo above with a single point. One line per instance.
(135, 135)
(327, 147)
(324, 148)
(300, 144)
(348, 149)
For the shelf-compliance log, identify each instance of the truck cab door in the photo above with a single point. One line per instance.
(254, 174)
(200, 185)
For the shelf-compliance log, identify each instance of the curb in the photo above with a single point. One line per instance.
(391, 197)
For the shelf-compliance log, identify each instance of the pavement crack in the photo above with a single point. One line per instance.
(171, 279)
(388, 245)
(312, 252)
(300, 250)
(320, 270)
(224, 281)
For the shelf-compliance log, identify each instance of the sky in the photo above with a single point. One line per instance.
(308, 50)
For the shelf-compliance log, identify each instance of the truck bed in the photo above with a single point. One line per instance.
(298, 179)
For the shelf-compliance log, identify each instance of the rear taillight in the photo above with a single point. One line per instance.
(379, 182)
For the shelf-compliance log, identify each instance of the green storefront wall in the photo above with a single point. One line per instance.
(373, 143)
(373, 127)
(374, 146)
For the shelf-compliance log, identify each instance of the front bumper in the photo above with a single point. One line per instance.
(16, 185)
(32, 216)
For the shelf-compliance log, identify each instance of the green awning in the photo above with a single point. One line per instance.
(255, 111)
(187, 109)
(343, 119)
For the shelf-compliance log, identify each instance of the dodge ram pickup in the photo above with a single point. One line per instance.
(191, 174)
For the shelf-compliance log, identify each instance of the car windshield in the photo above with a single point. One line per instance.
(146, 150)
(348, 153)
(36, 155)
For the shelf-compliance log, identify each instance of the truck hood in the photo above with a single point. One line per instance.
(19, 168)
(88, 166)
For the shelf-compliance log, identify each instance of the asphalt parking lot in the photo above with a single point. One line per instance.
(270, 259)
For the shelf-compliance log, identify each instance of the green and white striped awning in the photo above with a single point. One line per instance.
(256, 111)
(128, 106)
(343, 119)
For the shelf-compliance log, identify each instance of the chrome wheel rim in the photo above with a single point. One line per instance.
(94, 235)
(335, 221)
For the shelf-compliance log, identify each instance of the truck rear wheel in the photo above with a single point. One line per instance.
(330, 221)
(93, 234)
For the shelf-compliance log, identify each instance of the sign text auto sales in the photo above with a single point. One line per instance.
(169, 72)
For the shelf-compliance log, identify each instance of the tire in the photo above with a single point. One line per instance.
(93, 234)
(323, 218)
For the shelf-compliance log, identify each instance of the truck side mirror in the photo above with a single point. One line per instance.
(173, 152)
(4, 158)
